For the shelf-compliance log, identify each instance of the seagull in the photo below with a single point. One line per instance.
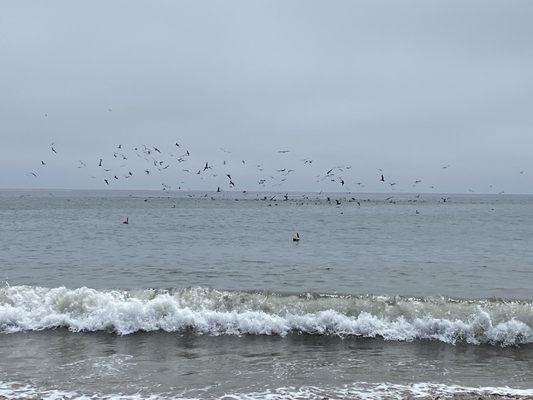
(126, 222)
(100, 163)
(43, 163)
(106, 181)
(283, 151)
(231, 183)
(54, 150)
(382, 178)
(296, 237)
(206, 166)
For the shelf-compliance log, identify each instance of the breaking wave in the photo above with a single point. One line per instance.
(219, 312)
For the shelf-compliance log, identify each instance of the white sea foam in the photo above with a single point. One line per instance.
(203, 311)
(360, 390)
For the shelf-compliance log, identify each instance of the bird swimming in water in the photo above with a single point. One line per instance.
(126, 222)
(296, 237)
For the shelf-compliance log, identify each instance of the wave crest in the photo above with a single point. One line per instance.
(218, 312)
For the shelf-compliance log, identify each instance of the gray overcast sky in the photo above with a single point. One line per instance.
(406, 86)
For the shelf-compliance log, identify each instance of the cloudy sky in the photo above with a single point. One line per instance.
(408, 87)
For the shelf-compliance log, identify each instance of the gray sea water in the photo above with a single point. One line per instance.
(206, 295)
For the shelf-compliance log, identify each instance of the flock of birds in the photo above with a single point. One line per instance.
(175, 163)
(176, 169)
(124, 163)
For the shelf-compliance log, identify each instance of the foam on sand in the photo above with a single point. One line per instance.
(360, 390)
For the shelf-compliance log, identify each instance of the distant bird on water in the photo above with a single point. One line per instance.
(296, 237)
(382, 178)
(126, 222)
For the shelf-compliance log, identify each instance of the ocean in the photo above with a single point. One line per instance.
(206, 296)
